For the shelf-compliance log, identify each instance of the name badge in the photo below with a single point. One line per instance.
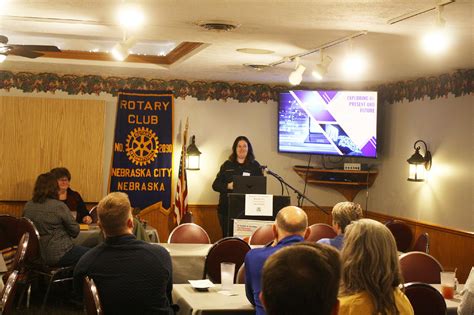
(245, 174)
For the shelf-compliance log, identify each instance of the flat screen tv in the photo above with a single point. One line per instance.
(342, 123)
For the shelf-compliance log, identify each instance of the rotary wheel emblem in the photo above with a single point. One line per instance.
(142, 146)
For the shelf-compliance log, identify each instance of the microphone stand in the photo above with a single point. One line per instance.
(300, 196)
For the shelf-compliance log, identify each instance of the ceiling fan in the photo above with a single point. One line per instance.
(28, 51)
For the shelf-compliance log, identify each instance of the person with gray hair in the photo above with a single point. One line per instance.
(343, 213)
(302, 279)
(132, 276)
(290, 227)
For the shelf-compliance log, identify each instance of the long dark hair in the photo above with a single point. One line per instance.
(250, 157)
(46, 187)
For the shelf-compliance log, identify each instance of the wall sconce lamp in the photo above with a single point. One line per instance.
(419, 163)
(193, 156)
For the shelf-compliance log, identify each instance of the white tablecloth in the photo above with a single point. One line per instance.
(192, 302)
(188, 260)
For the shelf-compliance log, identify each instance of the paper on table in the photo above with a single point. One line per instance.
(228, 293)
(201, 284)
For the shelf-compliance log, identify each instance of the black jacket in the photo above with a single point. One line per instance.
(227, 171)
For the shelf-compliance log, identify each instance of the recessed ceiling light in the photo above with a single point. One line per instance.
(255, 51)
(130, 16)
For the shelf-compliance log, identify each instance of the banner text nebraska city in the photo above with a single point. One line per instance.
(134, 119)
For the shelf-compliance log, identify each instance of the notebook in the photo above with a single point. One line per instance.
(250, 184)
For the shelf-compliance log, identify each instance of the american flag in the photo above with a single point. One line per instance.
(181, 197)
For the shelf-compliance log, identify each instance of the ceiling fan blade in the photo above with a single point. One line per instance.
(37, 47)
(3, 39)
(20, 51)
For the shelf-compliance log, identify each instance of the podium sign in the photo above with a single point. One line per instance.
(259, 205)
(237, 209)
(245, 228)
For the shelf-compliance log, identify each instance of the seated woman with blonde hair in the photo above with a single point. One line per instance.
(371, 272)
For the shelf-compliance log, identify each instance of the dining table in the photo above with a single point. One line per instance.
(212, 301)
(188, 260)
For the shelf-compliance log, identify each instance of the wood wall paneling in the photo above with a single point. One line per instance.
(452, 248)
(38, 134)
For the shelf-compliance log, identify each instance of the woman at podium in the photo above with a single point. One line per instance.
(241, 162)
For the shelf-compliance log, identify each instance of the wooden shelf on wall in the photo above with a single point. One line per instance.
(348, 183)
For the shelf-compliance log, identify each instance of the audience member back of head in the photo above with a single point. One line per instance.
(132, 277)
(290, 227)
(302, 279)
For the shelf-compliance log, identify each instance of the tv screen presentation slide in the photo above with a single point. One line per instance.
(340, 123)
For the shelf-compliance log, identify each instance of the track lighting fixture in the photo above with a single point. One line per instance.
(321, 69)
(296, 76)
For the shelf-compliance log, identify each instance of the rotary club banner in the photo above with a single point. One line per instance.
(143, 148)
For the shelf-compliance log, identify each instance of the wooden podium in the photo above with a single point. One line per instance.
(237, 209)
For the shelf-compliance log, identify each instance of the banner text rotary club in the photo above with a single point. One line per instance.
(142, 147)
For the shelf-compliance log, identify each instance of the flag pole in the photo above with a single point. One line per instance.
(183, 160)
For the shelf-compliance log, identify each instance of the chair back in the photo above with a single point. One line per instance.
(402, 234)
(229, 249)
(19, 261)
(425, 299)
(420, 267)
(8, 228)
(241, 275)
(92, 304)
(319, 231)
(25, 225)
(8, 294)
(93, 214)
(189, 233)
(422, 243)
(262, 235)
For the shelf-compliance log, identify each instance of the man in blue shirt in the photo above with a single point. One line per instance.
(343, 213)
(291, 226)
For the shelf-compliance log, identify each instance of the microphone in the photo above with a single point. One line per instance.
(266, 170)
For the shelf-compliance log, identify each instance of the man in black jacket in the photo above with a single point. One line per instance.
(132, 277)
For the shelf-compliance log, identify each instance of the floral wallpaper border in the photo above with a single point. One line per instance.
(457, 83)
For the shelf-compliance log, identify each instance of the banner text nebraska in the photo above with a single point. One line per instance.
(138, 186)
(141, 172)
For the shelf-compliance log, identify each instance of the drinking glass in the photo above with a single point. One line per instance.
(447, 284)
(227, 275)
